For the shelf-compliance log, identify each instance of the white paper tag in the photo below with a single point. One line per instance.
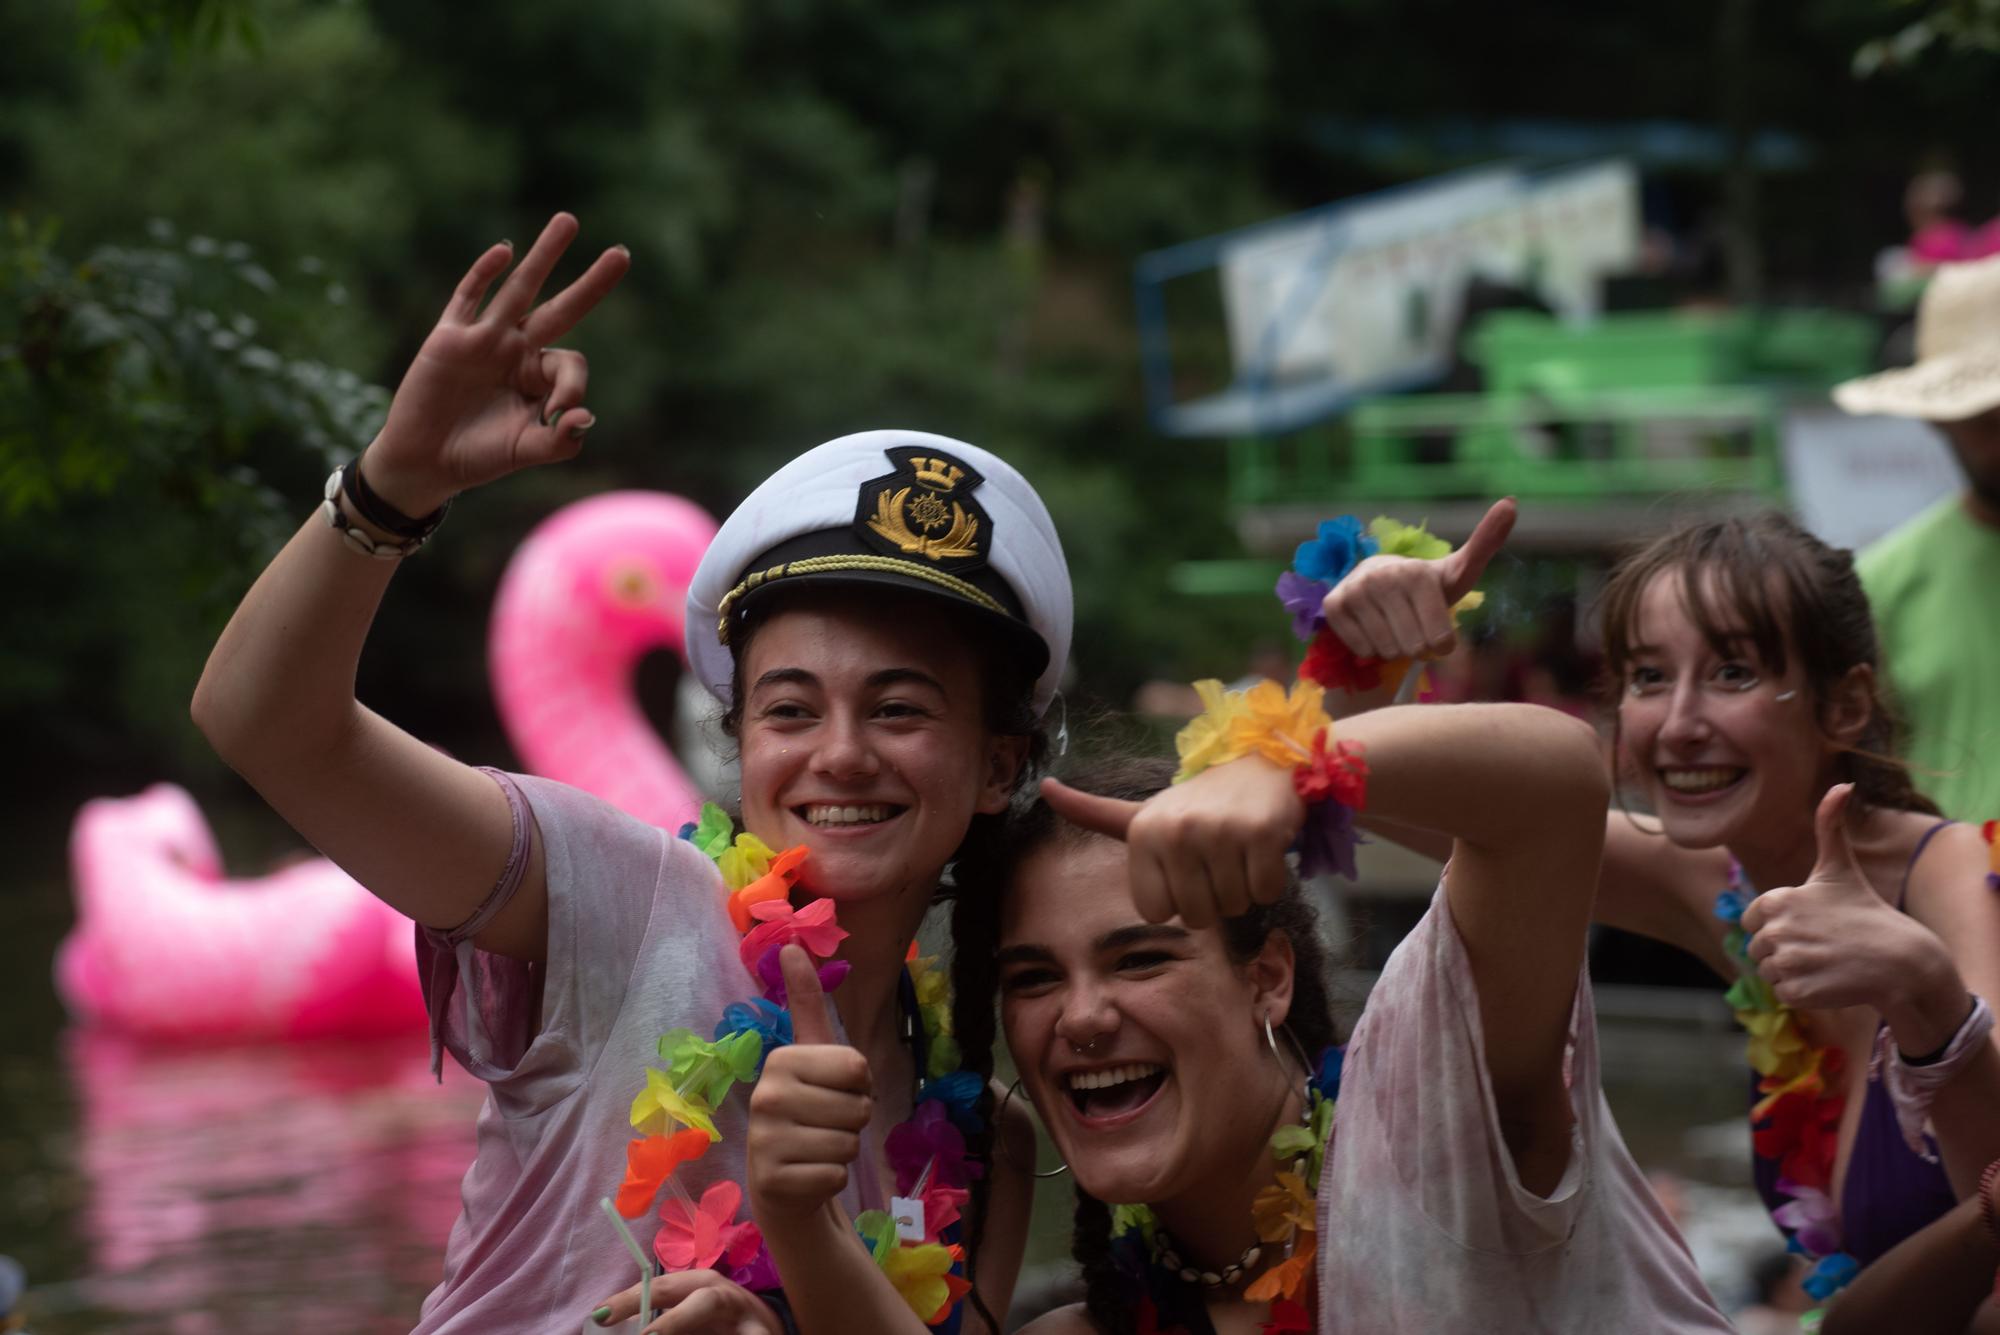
(909, 1216)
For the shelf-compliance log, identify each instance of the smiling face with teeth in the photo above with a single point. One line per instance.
(863, 737)
(1726, 749)
(1140, 1043)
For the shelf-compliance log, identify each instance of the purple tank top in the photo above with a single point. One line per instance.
(1889, 1192)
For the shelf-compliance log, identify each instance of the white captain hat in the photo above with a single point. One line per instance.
(907, 509)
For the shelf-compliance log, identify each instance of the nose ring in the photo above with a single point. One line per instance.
(1086, 1049)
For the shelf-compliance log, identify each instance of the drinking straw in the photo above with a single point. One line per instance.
(639, 1255)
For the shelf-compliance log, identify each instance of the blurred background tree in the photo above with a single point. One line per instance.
(230, 222)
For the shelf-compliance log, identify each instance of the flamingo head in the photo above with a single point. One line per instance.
(112, 835)
(605, 578)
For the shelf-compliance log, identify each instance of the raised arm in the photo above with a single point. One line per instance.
(1400, 607)
(422, 831)
(1519, 790)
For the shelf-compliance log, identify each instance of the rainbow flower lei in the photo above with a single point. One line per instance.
(1284, 1216)
(1796, 1124)
(674, 1113)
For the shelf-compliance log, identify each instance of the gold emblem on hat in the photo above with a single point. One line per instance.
(911, 516)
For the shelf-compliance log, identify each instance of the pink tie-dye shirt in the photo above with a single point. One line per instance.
(639, 943)
(1423, 1222)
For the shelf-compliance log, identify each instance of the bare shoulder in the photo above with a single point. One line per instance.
(1951, 867)
(1071, 1320)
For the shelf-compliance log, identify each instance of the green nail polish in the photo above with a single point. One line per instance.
(555, 417)
(601, 1315)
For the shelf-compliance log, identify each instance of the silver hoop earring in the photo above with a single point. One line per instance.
(1000, 1144)
(1298, 1048)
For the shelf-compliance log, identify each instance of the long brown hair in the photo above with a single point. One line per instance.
(1765, 578)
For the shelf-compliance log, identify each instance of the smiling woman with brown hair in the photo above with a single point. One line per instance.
(885, 620)
(1791, 851)
(1456, 1168)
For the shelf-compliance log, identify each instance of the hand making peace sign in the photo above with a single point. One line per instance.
(487, 395)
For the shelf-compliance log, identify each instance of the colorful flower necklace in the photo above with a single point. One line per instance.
(916, 1245)
(1168, 1293)
(1796, 1124)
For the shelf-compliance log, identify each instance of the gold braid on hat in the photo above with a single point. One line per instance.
(818, 565)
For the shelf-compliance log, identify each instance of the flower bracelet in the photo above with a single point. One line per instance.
(1318, 565)
(1294, 732)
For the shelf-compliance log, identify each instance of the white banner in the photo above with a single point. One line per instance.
(1373, 291)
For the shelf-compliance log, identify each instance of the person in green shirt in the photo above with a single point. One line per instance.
(1934, 583)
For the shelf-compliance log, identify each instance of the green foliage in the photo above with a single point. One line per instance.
(149, 369)
(156, 436)
(118, 28)
(1961, 25)
(844, 214)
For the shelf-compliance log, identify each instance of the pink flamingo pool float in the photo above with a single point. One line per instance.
(595, 588)
(168, 946)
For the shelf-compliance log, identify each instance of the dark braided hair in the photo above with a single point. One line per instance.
(1765, 577)
(1007, 691)
(975, 978)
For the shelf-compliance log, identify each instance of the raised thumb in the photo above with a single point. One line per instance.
(812, 1022)
(1835, 856)
(1464, 567)
(1108, 816)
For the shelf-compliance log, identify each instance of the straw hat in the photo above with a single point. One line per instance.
(1957, 372)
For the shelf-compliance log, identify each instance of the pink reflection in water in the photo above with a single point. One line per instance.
(287, 1187)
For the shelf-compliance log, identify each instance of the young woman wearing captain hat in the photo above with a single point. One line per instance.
(884, 621)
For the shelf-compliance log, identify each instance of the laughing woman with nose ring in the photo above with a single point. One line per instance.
(1164, 997)
(884, 621)
(1789, 849)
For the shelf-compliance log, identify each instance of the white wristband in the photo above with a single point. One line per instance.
(1911, 1088)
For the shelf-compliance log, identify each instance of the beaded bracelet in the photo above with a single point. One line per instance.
(1319, 565)
(337, 487)
(1294, 732)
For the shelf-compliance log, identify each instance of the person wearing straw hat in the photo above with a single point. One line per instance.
(884, 620)
(1932, 582)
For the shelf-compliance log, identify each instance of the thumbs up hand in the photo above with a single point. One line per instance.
(809, 1107)
(1203, 850)
(1400, 606)
(1833, 941)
